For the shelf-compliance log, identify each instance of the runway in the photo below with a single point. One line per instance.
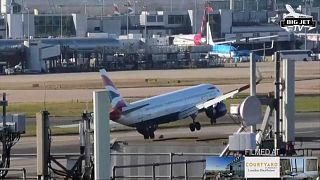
(211, 139)
(66, 87)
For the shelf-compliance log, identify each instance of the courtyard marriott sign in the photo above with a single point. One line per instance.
(262, 167)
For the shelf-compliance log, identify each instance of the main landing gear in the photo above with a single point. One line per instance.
(194, 125)
(148, 134)
(213, 121)
(147, 131)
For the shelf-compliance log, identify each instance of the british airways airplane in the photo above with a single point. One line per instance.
(145, 115)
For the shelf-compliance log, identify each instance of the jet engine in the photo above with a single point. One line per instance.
(218, 111)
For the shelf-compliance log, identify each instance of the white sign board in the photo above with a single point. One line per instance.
(262, 167)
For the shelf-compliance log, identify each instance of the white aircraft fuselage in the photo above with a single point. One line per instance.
(168, 107)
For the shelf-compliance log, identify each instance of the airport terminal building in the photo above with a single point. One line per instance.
(138, 28)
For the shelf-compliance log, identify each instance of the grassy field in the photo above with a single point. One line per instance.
(32, 129)
(75, 109)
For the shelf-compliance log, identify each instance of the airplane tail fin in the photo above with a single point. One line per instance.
(209, 35)
(115, 97)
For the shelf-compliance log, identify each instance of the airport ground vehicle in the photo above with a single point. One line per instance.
(297, 55)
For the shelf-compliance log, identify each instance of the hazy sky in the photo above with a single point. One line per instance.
(218, 163)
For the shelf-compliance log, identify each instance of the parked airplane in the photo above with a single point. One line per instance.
(224, 49)
(194, 39)
(145, 115)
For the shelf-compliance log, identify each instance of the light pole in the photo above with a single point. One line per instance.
(145, 25)
(305, 29)
(28, 23)
(60, 21)
(127, 24)
(102, 9)
(195, 17)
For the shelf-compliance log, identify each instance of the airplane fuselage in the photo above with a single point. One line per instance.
(168, 107)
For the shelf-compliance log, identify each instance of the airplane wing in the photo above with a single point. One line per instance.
(216, 100)
(244, 39)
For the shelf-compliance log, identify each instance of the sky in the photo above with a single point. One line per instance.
(218, 163)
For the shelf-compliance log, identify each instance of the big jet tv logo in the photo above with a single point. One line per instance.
(297, 21)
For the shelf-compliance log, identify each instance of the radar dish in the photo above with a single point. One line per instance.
(250, 111)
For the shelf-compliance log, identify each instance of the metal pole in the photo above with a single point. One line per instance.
(28, 25)
(6, 24)
(154, 172)
(101, 135)
(102, 13)
(264, 51)
(127, 24)
(288, 101)
(171, 5)
(24, 173)
(195, 17)
(42, 145)
(4, 110)
(186, 171)
(85, 8)
(253, 82)
(60, 21)
(23, 29)
(145, 26)
(171, 166)
(87, 148)
(277, 101)
(305, 38)
(318, 46)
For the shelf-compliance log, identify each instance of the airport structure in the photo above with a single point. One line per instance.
(59, 36)
(273, 131)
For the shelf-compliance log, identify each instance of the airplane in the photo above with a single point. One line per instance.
(145, 115)
(292, 13)
(222, 49)
(194, 39)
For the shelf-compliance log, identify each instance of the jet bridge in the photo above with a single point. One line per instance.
(12, 52)
(49, 54)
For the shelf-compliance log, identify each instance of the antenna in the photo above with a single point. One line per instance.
(250, 111)
(87, 106)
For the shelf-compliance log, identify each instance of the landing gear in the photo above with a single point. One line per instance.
(213, 121)
(151, 135)
(148, 134)
(198, 126)
(194, 125)
(147, 131)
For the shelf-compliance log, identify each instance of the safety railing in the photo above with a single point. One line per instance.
(24, 172)
(153, 165)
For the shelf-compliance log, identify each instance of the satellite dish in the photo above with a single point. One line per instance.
(250, 111)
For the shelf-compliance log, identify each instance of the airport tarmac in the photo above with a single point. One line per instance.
(19, 88)
(211, 139)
